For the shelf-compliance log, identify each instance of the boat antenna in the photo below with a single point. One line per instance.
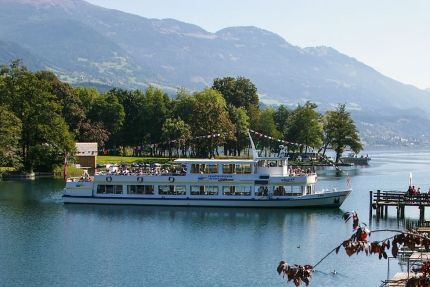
(254, 151)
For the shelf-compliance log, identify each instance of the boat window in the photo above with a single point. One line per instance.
(243, 168)
(236, 190)
(204, 190)
(237, 168)
(172, 189)
(227, 190)
(228, 168)
(109, 189)
(140, 189)
(204, 168)
(212, 168)
(281, 190)
(242, 190)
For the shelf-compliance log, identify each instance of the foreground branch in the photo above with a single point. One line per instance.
(358, 243)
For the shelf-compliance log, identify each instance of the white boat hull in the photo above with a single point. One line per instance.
(331, 199)
(267, 182)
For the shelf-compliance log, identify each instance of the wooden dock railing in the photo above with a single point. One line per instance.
(381, 200)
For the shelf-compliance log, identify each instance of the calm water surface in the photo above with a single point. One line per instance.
(46, 243)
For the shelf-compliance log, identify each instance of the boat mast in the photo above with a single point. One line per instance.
(254, 151)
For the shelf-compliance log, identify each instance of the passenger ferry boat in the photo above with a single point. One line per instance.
(257, 182)
(353, 158)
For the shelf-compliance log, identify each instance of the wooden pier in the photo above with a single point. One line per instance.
(381, 200)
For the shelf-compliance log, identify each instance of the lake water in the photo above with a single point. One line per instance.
(46, 243)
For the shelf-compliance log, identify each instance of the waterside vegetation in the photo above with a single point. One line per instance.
(42, 118)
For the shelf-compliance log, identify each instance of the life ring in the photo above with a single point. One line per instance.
(171, 179)
(139, 179)
(109, 178)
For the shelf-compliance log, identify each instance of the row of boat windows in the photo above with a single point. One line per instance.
(201, 190)
(226, 168)
(235, 168)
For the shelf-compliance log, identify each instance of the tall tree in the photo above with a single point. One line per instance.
(267, 126)
(67, 97)
(106, 109)
(304, 127)
(281, 120)
(240, 120)
(341, 131)
(175, 131)
(183, 104)
(135, 121)
(10, 132)
(240, 92)
(93, 132)
(45, 135)
(210, 118)
(158, 106)
(87, 97)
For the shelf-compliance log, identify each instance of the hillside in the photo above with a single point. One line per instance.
(84, 43)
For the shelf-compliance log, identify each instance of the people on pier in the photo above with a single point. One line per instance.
(410, 192)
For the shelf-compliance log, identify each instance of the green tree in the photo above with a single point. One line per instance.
(281, 117)
(240, 92)
(240, 120)
(341, 131)
(87, 97)
(267, 126)
(135, 121)
(45, 136)
(67, 97)
(210, 118)
(173, 131)
(304, 127)
(10, 132)
(107, 110)
(157, 109)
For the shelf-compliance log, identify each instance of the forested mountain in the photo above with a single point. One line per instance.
(84, 43)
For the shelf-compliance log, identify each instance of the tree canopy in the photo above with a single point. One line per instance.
(43, 117)
(341, 132)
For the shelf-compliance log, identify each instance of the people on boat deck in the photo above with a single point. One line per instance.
(414, 190)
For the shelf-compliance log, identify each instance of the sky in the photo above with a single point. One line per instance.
(387, 35)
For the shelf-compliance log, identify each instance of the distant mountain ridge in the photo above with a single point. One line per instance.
(82, 42)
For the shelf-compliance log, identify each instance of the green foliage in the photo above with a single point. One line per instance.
(340, 131)
(107, 110)
(240, 120)
(239, 92)
(267, 125)
(210, 117)
(41, 118)
(173, 131)
(10, 132)
(304, 126)
(44, 133)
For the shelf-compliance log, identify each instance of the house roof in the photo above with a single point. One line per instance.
(86, 149)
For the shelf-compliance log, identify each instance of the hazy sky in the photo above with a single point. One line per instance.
(388, 35)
